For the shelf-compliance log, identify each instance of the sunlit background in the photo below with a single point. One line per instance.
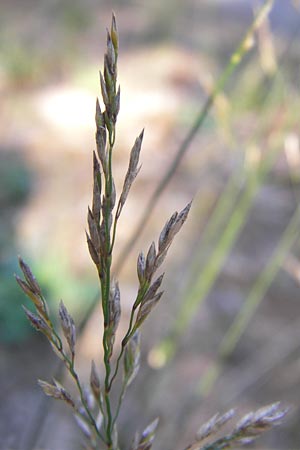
(226, 333)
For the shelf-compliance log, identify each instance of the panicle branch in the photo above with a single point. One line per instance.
(247, 429)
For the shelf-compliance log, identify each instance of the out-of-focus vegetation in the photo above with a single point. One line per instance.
(14, 190)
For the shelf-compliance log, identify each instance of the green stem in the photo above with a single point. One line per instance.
(105, 287)
(262, 284)
(58, 344)
(235, 59)
(114, 232)
(124, 342)
(85, 405)
(201, 287)
(107, 399)
(121, 397)
(131, 329)
(70, 366)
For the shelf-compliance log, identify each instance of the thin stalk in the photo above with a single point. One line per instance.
(124, 342)
(114, 234)
(107, 394)
(234, 61)
(239, 325)
(167, 348)
(105, 299)
(59, 346)
(91, 418)
(70, 366)
(130, 331)
(121, 398)
(288, 238)
(198, 290)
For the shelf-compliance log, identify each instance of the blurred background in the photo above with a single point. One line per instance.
(227, 331)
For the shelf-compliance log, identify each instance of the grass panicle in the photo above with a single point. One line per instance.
(93, 409)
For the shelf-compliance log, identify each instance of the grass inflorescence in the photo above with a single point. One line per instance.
(94, 411)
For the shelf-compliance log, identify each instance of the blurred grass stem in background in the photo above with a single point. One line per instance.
(229, 342)
(226, 221)
(233, 206)
(236, 58)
